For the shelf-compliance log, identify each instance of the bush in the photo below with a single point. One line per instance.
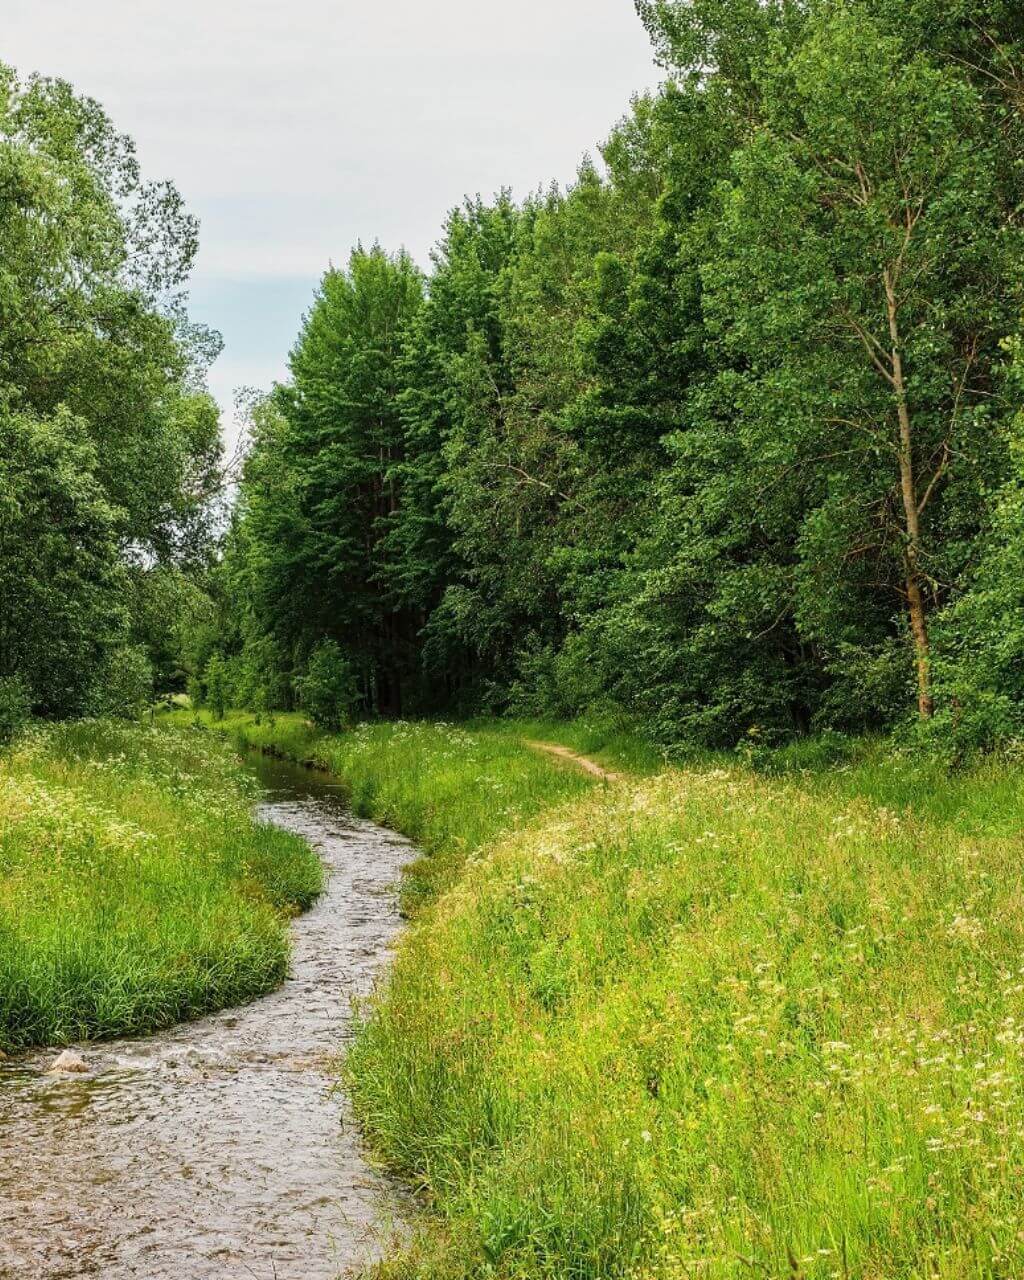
(125, 685)
(195, 691)
(15, 707)
(327, 692)
(215, 681)
(813, 753)
(560, 683)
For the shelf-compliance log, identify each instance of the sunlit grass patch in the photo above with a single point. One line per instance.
(711, 1024)
(607, 740)
(136, 888)
(451, 788)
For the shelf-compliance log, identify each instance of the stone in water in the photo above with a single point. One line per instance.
(68, 1062)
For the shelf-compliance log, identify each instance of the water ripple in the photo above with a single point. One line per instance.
(220, 1148)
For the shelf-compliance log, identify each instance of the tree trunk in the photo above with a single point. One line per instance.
(912, 555)
(922, 645)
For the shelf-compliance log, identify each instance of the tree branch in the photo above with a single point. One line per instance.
(939, 473)
(528, 479)
(874, 348)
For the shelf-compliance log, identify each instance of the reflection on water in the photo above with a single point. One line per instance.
(218, 1149)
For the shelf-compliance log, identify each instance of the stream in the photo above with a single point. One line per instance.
(219, 1148)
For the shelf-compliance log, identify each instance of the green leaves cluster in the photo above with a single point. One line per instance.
(715, 435)
(108, 445)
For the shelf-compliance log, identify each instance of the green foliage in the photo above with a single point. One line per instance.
(327, 690)
(126, 683)
(784, 552)
(170, 608)
(15, 708)
(215, 686)
(61, 580)
(108, 448)
(309, 549)
(982, 672)
(137, 889)
(714, 436)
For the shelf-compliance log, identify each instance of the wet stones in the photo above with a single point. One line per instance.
(68, 1063)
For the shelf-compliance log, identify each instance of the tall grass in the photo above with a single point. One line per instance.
(452, 789)
(717, 1022)
(136, 889)
(609, 741)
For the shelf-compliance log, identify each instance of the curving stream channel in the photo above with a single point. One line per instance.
(219, 1148)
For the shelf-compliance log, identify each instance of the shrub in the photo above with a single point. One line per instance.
(327, 692)
(195, 691)
(979, 641)
(15, 707)
(125, 684)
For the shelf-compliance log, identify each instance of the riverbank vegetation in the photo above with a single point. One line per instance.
(723, 443)
(449, 788)
(716, 1023)
(725, 1017)
(136, 887)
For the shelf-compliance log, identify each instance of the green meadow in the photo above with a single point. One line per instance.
(715, 1020)
(136, 888)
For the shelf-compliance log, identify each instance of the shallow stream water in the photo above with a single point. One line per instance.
(219, 1149)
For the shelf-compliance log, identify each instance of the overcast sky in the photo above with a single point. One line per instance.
(294, 129)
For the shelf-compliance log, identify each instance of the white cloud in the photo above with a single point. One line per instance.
(295, 129)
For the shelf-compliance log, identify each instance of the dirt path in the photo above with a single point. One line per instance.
(582, 762)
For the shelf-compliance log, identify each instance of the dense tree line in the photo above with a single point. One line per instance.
(726, 435)
(109, 445)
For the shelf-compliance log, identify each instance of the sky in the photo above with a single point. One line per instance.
(296, 128)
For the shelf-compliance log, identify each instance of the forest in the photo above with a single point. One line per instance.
(652, 560)
(723, 438)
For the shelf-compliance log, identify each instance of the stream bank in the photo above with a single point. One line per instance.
(220, 1148)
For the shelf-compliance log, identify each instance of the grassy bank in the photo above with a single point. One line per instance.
(136, 890)
(718, 1022)
(452, 789)
(715, 1023)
